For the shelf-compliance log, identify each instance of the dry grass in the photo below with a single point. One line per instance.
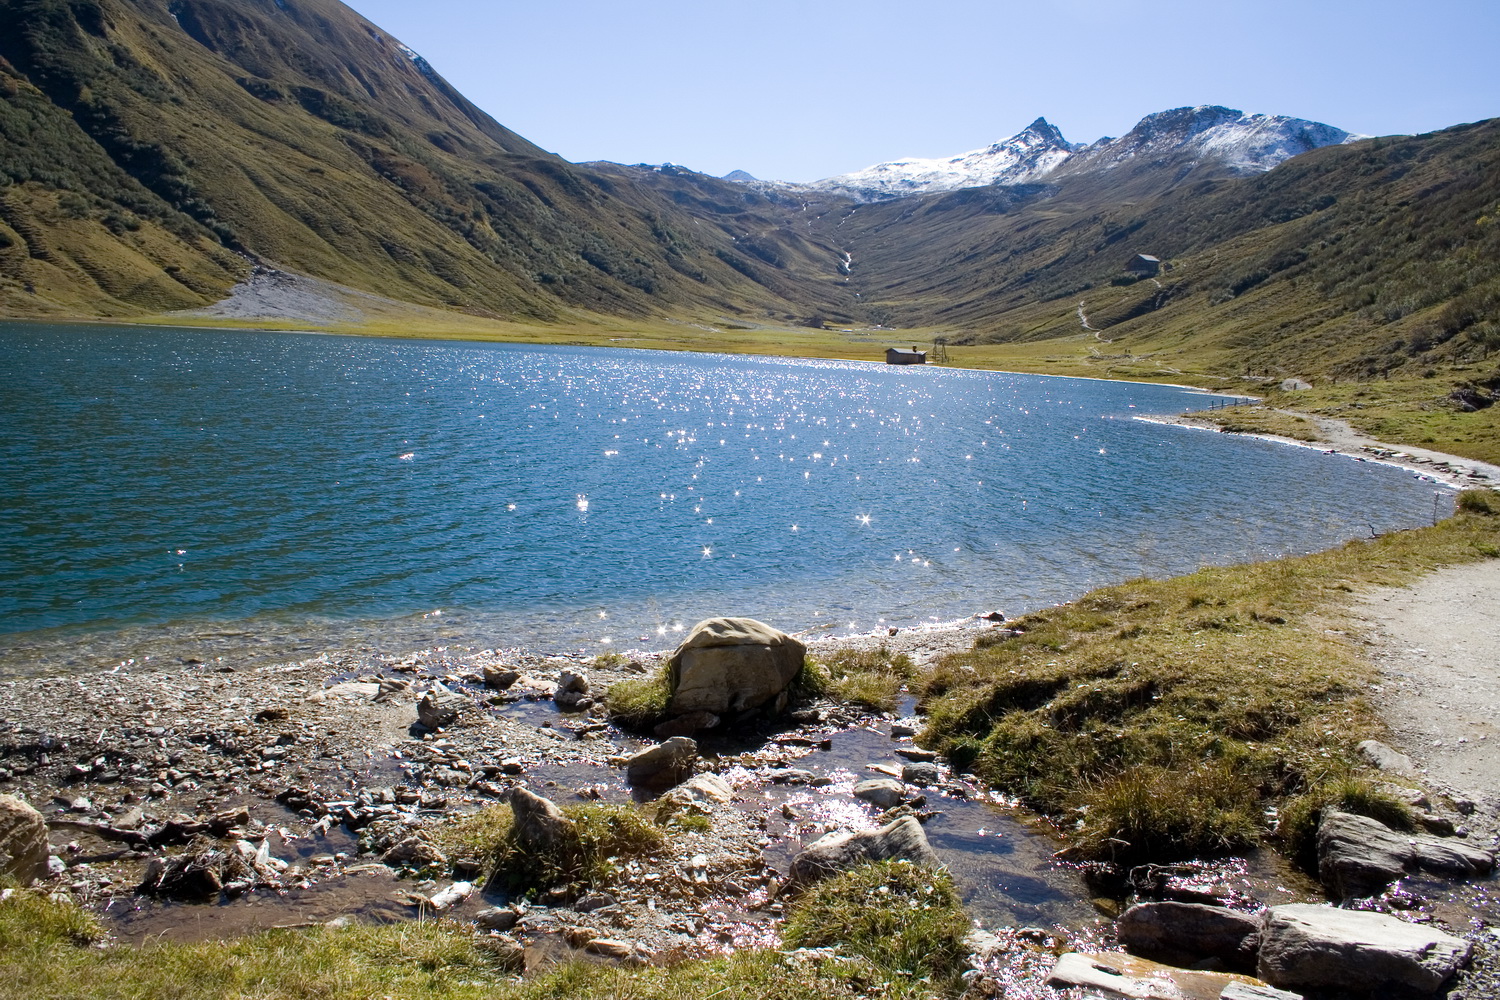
(1171, 713)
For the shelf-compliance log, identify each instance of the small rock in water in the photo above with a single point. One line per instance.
(883, 792)
(921, 773)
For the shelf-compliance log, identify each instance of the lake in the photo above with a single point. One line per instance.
(180, 494)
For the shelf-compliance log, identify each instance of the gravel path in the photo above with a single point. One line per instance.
(1436, 641)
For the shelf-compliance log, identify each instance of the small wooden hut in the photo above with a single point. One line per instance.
(902, 356)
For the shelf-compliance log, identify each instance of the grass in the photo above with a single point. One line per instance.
(639, 703)
(50, 951)
(872, 678)
(602, 834)
(905, 920)
(1162, 718)
(1260, 420)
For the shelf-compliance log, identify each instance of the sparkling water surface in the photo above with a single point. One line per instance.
(179, 493)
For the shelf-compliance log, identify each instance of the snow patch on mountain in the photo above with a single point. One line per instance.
(1023, 158)
(423, 66)
(1205, 134)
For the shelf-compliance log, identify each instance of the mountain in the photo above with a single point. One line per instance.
(1024, 158)
(1188, 137)
(152, 153)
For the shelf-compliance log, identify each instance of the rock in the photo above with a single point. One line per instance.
(1359, 856)
(23, 841)
(610, 948)
(917, 754)
(413, 852)
(500, 678)
(686, 725)
(594, 901)
(1304, 946)
(699, 794)
(991, 616)
(507, 952)
(439, 707)
(731, 665)
(1377, 754)
(496, 918)
(1186, 933)
(451, 896)
(572, 694)
(663, 765)
(921, 773)
(1113, 975)
(539, 824)
(901, 839)
(1245, 991)
(883, 792)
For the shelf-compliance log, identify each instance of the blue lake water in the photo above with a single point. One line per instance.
(195, 493)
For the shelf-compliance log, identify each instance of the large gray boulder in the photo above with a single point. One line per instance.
(1359, 856)
(23, 841)
(731, 665)
(901, 839)
(1187, 933)
(1304, 946)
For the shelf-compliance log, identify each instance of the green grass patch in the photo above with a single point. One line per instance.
(603, 835)
(639, 703)
(1171, 714)
(1260, 420)
(905, 920)
(47, 957)
(869, 677)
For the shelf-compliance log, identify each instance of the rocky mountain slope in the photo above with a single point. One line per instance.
(149, 148)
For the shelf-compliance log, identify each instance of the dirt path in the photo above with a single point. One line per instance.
(1436, 644)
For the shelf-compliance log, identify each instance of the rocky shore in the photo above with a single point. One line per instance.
(319, 792)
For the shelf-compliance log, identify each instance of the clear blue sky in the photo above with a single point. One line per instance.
(803, 90)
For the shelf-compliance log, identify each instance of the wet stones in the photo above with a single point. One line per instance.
(414, 852)
(23, 840)
(921, 773)
(572, 694)
(1305, 946)
(500, 678)
(884, 793)
(1359, 856)
(1188, 933)
(901, 839)
(727, 666)
(440, 707)
(663, 765)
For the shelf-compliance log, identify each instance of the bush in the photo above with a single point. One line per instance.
(905, 920)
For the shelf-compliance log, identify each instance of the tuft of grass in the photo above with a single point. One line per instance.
(1297, 829)
(869, 677)
(639, 703)
(906, 920)
(1479, 502)
(1175, 712)
(602, 835)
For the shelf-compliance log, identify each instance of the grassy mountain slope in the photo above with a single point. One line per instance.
(299, 132)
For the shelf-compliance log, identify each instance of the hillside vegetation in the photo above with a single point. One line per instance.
(152, 154)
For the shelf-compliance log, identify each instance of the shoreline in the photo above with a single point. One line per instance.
(1441, 468)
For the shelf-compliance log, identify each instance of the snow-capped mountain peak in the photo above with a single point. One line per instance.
(1207, 133)
(1025, 157)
